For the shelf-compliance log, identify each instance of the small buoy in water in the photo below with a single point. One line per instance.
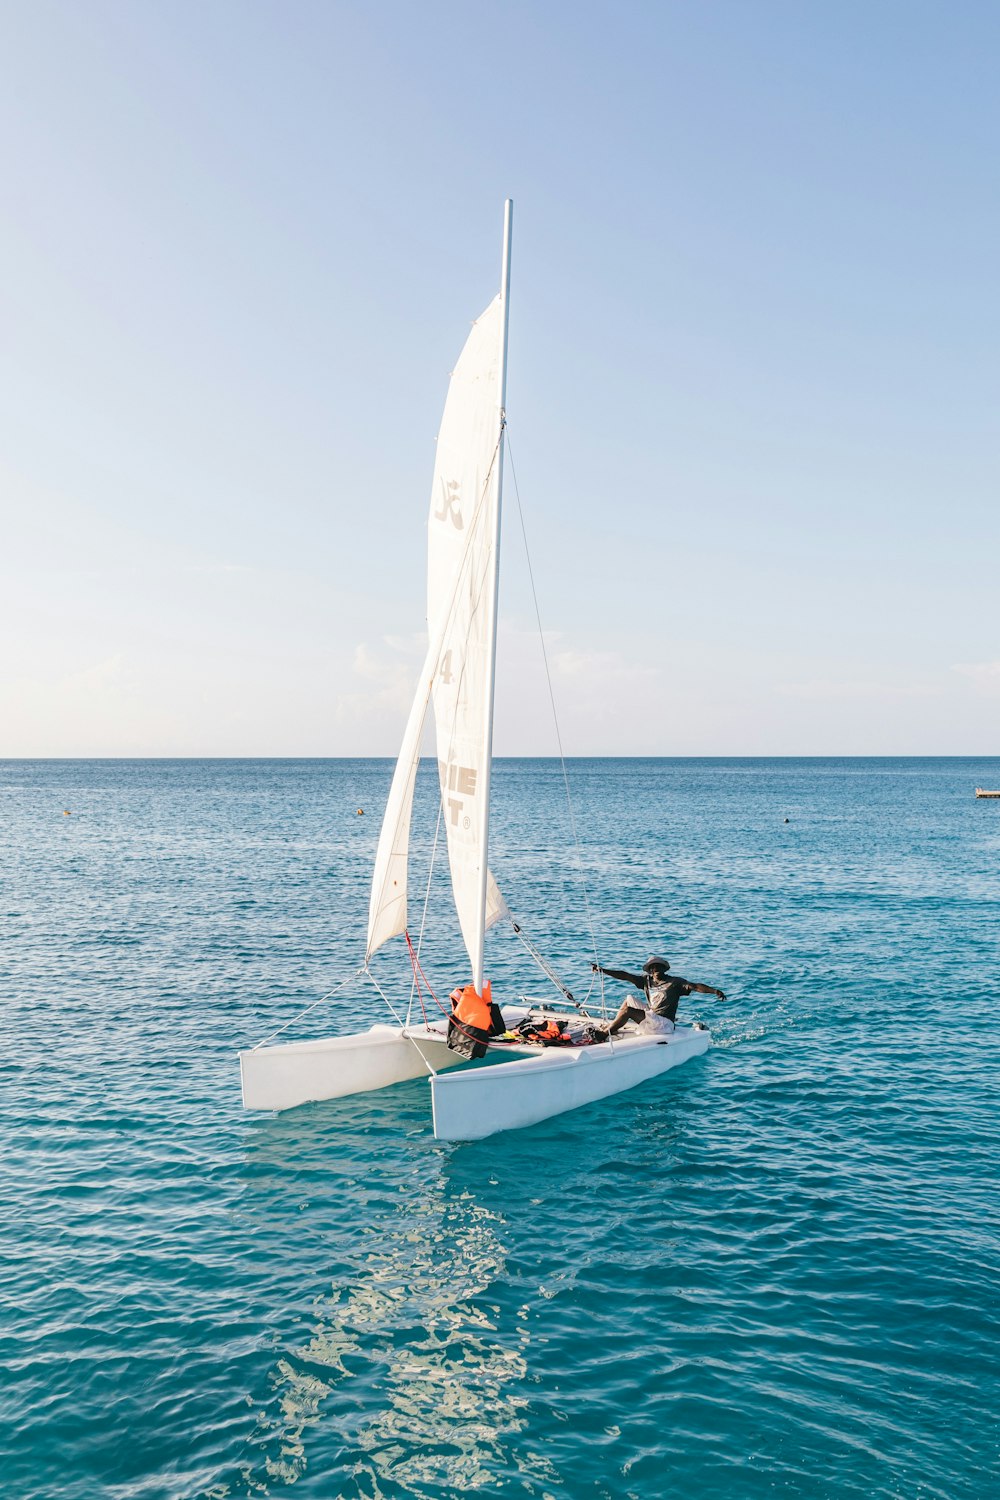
(361, 812)
(786, 820)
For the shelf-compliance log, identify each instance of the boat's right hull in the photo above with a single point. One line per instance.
(471, 1105)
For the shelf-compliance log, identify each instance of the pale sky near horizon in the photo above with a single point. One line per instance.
(753, 387)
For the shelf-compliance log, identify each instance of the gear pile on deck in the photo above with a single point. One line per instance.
(476, 1023)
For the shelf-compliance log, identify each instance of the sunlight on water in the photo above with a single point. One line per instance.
(771, 1271)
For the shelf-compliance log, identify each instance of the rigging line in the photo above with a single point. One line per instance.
(476, 586)
(298, 1016)
(552, 700)
(416, 980)
(415, 960)
(544, 965)
(449, 611)
(392, 1011)
(427, 897)
(464, 574)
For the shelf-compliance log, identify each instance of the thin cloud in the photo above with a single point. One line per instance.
(828, 690)
(389, 674)
(601, 666)
(984, 676)
(112, 675)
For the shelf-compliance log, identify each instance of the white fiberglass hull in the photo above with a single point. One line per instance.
(524, 1085)
(304, 1072)
(481, 1102)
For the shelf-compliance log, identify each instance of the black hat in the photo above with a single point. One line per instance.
(655, 963)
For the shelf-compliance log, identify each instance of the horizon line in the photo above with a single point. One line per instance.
(637, 755)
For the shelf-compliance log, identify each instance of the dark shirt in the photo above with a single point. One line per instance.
(662, 995)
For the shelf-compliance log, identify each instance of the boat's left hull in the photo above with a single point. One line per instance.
(471, 1105)
(303, 1072)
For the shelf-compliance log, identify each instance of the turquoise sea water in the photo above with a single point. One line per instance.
(773, 1271)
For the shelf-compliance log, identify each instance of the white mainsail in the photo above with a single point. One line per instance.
(458, 671)
(462, 545)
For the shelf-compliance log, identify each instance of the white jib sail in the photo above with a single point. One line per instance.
(457, 668)
(461, 605)
(387, 908)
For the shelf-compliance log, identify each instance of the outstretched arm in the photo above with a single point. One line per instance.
(639, 980)
(705, 989)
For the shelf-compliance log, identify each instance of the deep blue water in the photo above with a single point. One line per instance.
(771, 1272)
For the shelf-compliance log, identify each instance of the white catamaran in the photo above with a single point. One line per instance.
(531, 1081)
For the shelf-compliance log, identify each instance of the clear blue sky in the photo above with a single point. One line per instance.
(753, 392)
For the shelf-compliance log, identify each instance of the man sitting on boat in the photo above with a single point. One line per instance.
(661, 990)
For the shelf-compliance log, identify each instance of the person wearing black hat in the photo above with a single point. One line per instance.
(661, 994)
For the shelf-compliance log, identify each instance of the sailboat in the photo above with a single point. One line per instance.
(518, 1082)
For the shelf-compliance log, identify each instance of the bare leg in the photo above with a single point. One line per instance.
(628, 1012)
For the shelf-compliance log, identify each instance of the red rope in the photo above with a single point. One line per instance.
(418, 975)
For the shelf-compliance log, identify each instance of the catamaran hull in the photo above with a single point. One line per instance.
(526, 1087)
(471, 1105)
(305, 1072)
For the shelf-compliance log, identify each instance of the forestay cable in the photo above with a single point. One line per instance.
(299, 1014)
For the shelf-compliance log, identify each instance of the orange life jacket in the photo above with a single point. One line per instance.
(548, 1033)
(471, 1008)
(543, 1033)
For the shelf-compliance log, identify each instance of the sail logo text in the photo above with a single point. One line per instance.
(451, 504)
(461, 780)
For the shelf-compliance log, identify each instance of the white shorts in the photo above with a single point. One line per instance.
(652, 1024)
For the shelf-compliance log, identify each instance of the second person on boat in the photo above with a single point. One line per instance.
(661, 994)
